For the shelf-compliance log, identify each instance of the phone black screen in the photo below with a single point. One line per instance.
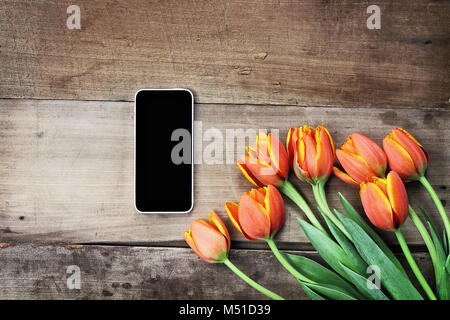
(163, 159)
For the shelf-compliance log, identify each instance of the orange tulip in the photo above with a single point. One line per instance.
(259, 214)
(266, 162)
(361, 158)
(385, 201)
(405, 154)
(311, 153)
(209, 240)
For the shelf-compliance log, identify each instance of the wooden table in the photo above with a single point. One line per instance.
(66, 128)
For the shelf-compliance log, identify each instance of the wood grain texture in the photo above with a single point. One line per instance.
(114, 272)
(261, 52)
(66, 167)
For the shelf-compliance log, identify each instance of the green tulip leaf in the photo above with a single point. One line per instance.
(435, 236)
(437, 244)
(328, 249)
(442, 276)
(447, 264)
(330, 291)
(395, 282)
(313, 295)
(318, 273)
(445, 241)
(443, 285)
(355, 217)
(361, 283)
(358, 264)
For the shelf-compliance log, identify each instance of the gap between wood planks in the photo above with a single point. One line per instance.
(443, 106)
(235, 245)
(243, 245)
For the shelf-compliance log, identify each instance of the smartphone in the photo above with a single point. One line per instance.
(164, 166)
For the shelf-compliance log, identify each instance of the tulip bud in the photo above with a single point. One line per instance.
(311, 153)
(361, 158)
(209, 240)
(405, 154)
(385, 201)
(266, 162)
(259, 214)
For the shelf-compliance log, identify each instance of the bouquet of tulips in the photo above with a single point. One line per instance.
(347, 243)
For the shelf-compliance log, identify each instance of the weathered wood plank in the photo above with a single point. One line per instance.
(262, 52)
(112, 272)
(66, 167)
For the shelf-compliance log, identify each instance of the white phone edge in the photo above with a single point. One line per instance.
(192, 154)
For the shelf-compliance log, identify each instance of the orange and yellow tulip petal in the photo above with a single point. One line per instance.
(325, 154)
(208, 240)
(267, 161)
(355, 166)
(381, 183)
(385, 201)
(417, 153)
(261, 146)
(371, 153)
(397, 197)
(301, 173)
(345, 177)
(311, 153)
(232, 210)
(300, 155)
(247, 173)
(349, 146)
(263, 173)
(399, 159)
(377, 206)
(361, 158)
(253, 218)
(259, 214)
(330, 138)
(405, 154)
(215, 220)
(278, 156)
(191, 243)
(291, 142)
(275, 208)
(258, 194)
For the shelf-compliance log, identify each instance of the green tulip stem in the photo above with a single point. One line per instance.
(427, 239)
(438, 204)
(321, 200)
(252, 283)
(413, 265)
(291, 192)
(282, 259)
